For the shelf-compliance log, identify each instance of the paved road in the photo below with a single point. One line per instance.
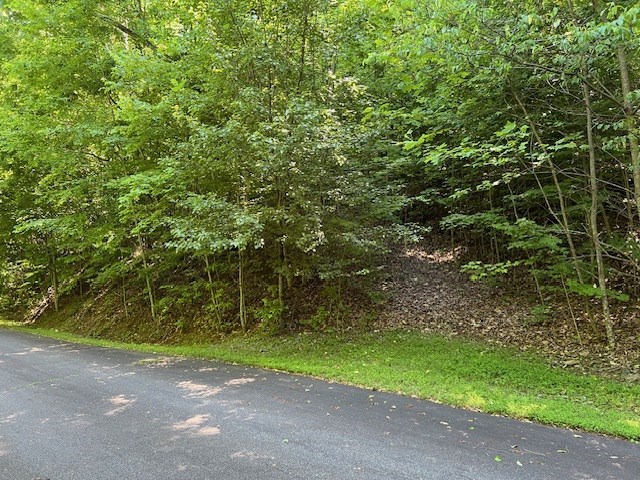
(77, 412)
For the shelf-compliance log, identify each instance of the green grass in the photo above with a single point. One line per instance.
(461, 373)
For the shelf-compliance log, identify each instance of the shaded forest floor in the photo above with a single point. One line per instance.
(426, 290)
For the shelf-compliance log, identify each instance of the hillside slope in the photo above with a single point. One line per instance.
(427, 291)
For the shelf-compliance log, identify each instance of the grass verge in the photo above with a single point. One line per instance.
(460, 373)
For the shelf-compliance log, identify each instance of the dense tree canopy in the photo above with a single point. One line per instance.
(235, 154)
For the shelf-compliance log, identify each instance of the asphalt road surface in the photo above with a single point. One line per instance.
(88, 413)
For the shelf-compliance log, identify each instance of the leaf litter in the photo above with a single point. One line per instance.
(426, 290)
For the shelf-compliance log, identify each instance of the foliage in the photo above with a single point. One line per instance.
(489, 113)
(187, 146)
(289, 142)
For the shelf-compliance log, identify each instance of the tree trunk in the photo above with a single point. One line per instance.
(148, 281)
(54, 280)
(124, 297)
(303, 46)
(243, 306)
(630, 123)
(593, 218)
(214, 300)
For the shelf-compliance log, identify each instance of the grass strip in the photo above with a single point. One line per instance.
(457, 372)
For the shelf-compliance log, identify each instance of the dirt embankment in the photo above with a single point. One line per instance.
(427, 290)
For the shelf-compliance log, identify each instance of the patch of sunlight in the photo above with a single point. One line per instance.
(473, 400)
(239, 381)
(26, 352)
(439, 256)
(207, 431)
(193, 422)
(196, 426)
(632, 423)
(525, 410)
(7, 323)
(11, 418)
(248, 454)
(158, 361)
(121, 403)
(198, 390)
(60, 345)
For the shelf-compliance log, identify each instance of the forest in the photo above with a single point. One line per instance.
(251, 164)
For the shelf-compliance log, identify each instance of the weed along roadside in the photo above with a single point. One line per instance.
(461, 373)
